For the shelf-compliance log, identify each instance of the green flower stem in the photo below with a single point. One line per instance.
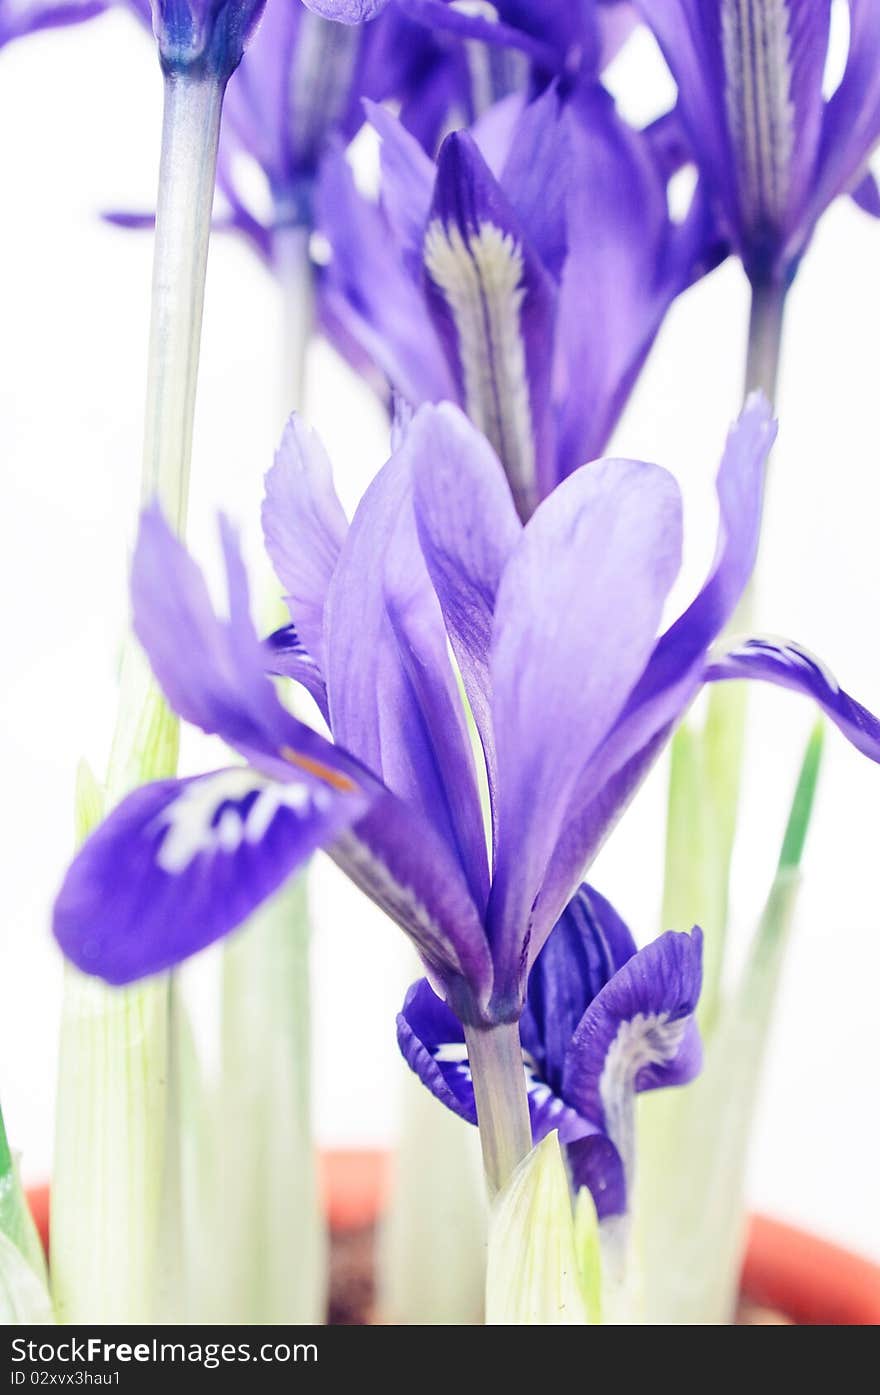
(765, 338)
(707, 765)
(108, 1210)
(496, 1064)
(293, 269)
(187, 170)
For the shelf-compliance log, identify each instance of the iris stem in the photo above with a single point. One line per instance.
(496, 1063)
(765, 338)
(293, 269)
(113, 1124)
(188, 165)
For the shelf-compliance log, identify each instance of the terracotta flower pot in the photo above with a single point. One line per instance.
(807, 1280)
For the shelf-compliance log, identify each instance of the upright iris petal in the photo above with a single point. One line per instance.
(542, 246)
(493, 303)
(770, 147)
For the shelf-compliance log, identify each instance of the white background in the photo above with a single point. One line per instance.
(79, 113)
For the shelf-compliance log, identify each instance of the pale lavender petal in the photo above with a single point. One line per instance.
(213, 671)
(393, 696)
(371, 293)
(538, 175)
(407, 186)
(627, 262)
(304, 527)
(675, 670)
(467, 528)
(576, 621)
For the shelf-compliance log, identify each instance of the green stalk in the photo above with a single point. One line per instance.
(293, 269)
(274, 1233)
(432, 1252)
(706, 767)
(496, 1063)
(694, 1142)
(110, 1147)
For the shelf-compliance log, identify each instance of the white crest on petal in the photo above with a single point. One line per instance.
(481, 280)
(756, 46)
(647, 1039)
(400, 902)
(204, 816)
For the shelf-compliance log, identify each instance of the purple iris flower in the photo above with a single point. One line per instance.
(18, 19)
(602, 1022)
(541, 248)
(554, 629)
(772, 149)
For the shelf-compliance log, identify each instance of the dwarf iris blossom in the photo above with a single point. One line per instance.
(602, 1022)
(554, 629)
(772, 149)
(542, 249)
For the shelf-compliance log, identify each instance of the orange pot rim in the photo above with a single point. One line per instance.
(812, 1281)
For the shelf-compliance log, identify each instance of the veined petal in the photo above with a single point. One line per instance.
(304, 527)
(637, 1034)
(537, 177)
(407, 187)
(576, 619)
(627, 261)
(371, 294)
(493, 304)
(789, 665)
(587, 946)
(467, 528)
(749, 75)
(774, 57)
(398, 859)
(180, 863)
(675, 670)
(393, 697)
(213, 671)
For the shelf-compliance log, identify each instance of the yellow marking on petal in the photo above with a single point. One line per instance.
(317, 768)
